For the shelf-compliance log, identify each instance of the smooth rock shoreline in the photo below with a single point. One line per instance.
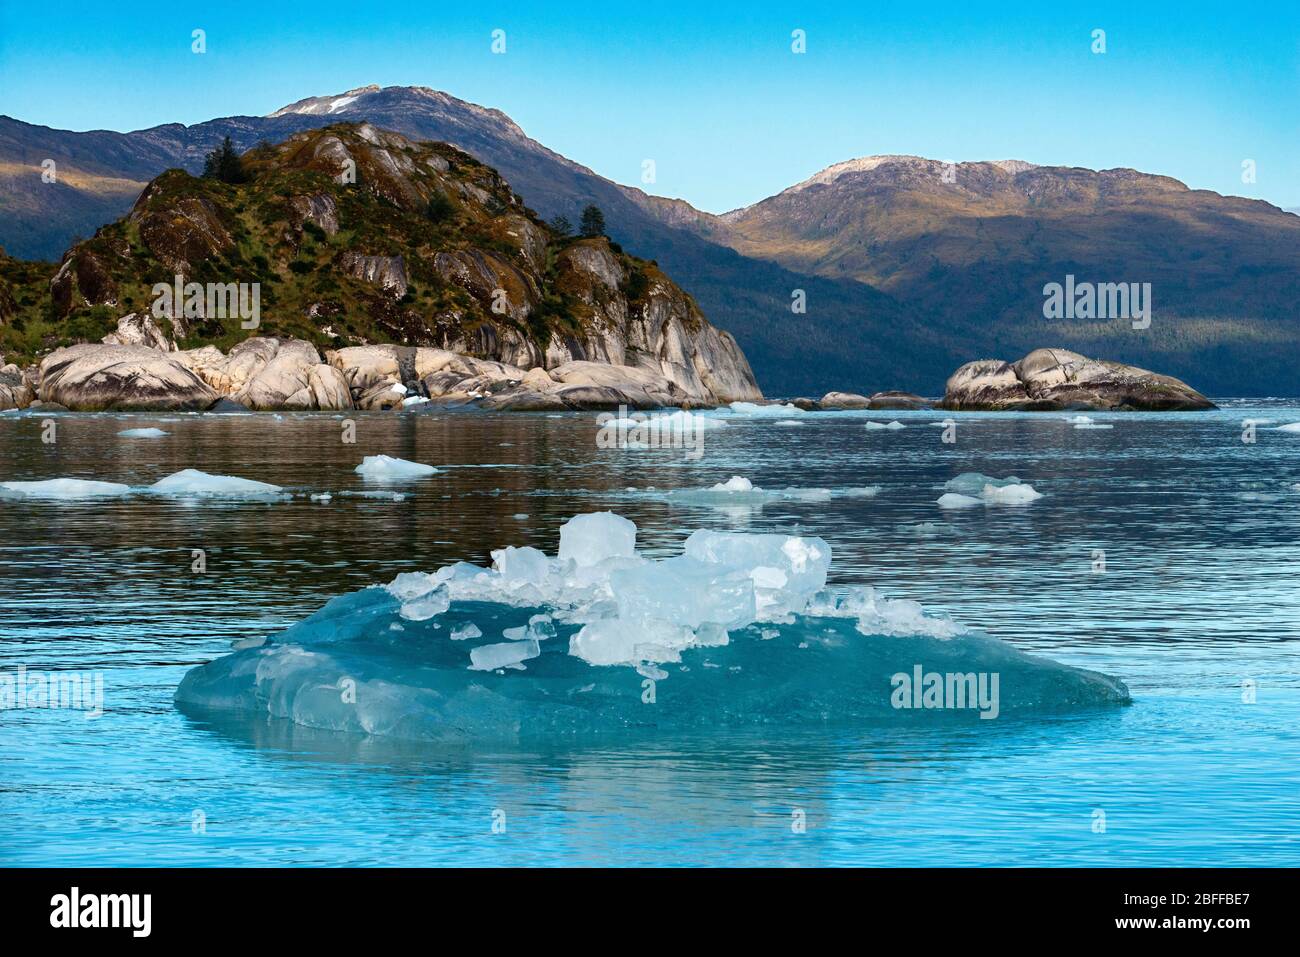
(266, 373)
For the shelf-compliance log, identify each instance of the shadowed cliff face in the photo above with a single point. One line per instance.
(355, 235)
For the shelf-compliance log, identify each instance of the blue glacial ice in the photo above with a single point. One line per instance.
(737, 630)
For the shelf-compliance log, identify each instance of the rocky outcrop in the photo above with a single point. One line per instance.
(265, 373)
(15, 392)
(139, 329)
(899, 400)
(1057, 379)
(94, 377)
(386, 272)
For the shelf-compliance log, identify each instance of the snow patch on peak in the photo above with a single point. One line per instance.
(320, 105)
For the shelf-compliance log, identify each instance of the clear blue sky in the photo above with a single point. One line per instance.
(710, 91)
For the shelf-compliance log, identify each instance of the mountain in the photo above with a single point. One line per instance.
(972, 246)
(351, 235)
(906, 275)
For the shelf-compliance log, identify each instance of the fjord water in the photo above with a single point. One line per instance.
(1201, 534)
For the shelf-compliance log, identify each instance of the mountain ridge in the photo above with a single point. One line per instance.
(887, 307)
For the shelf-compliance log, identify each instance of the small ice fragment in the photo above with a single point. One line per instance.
(413, 400)
(428, 606)
(504, 655)
(142, 433)
(243, 643)
(322, 497)
(398, 388)
(388, 469)
(516, 634)
(590, 539)
(954, 500)
(541, 627)
(469, 630)
(893, 426)
(519, 516)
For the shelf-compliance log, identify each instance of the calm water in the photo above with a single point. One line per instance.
(1201, 534)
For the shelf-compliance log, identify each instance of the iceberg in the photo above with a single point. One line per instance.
(385, 468)
(192, 482)
(739, 490)
(63, 488)
(737, 630)
(963, 490)
(1010, 494)
(776, 409)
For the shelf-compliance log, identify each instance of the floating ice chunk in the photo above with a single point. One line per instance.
(824, 659)
(413, 400)
(737, 483)
(64, 488)
(427, 606)
(1079, 420)
(893, 426)
(790, 422)
(322, 497)
(685, 591)
(142, 433)
(194, 482)
(881, 616)
(590, 539)
(1093, 425)
(776, 409)
(398, 388)
(507, 654)
(785, 570)
(956, 500)
(519, 516)
(385, 468)
(1010, 494)
(411, 585)
(1289, 427)
(521, 566)
(973, 483)
(612, 642)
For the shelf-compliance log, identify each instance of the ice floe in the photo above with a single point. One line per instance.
(735, 630)
(142, 433)
(739, 490)
(754, 410)
(975, 488)
(64, 489)
(877, 426)
(385, 468)
(192, 482)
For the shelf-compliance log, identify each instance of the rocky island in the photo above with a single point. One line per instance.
(1060, 380)
(382, 272)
